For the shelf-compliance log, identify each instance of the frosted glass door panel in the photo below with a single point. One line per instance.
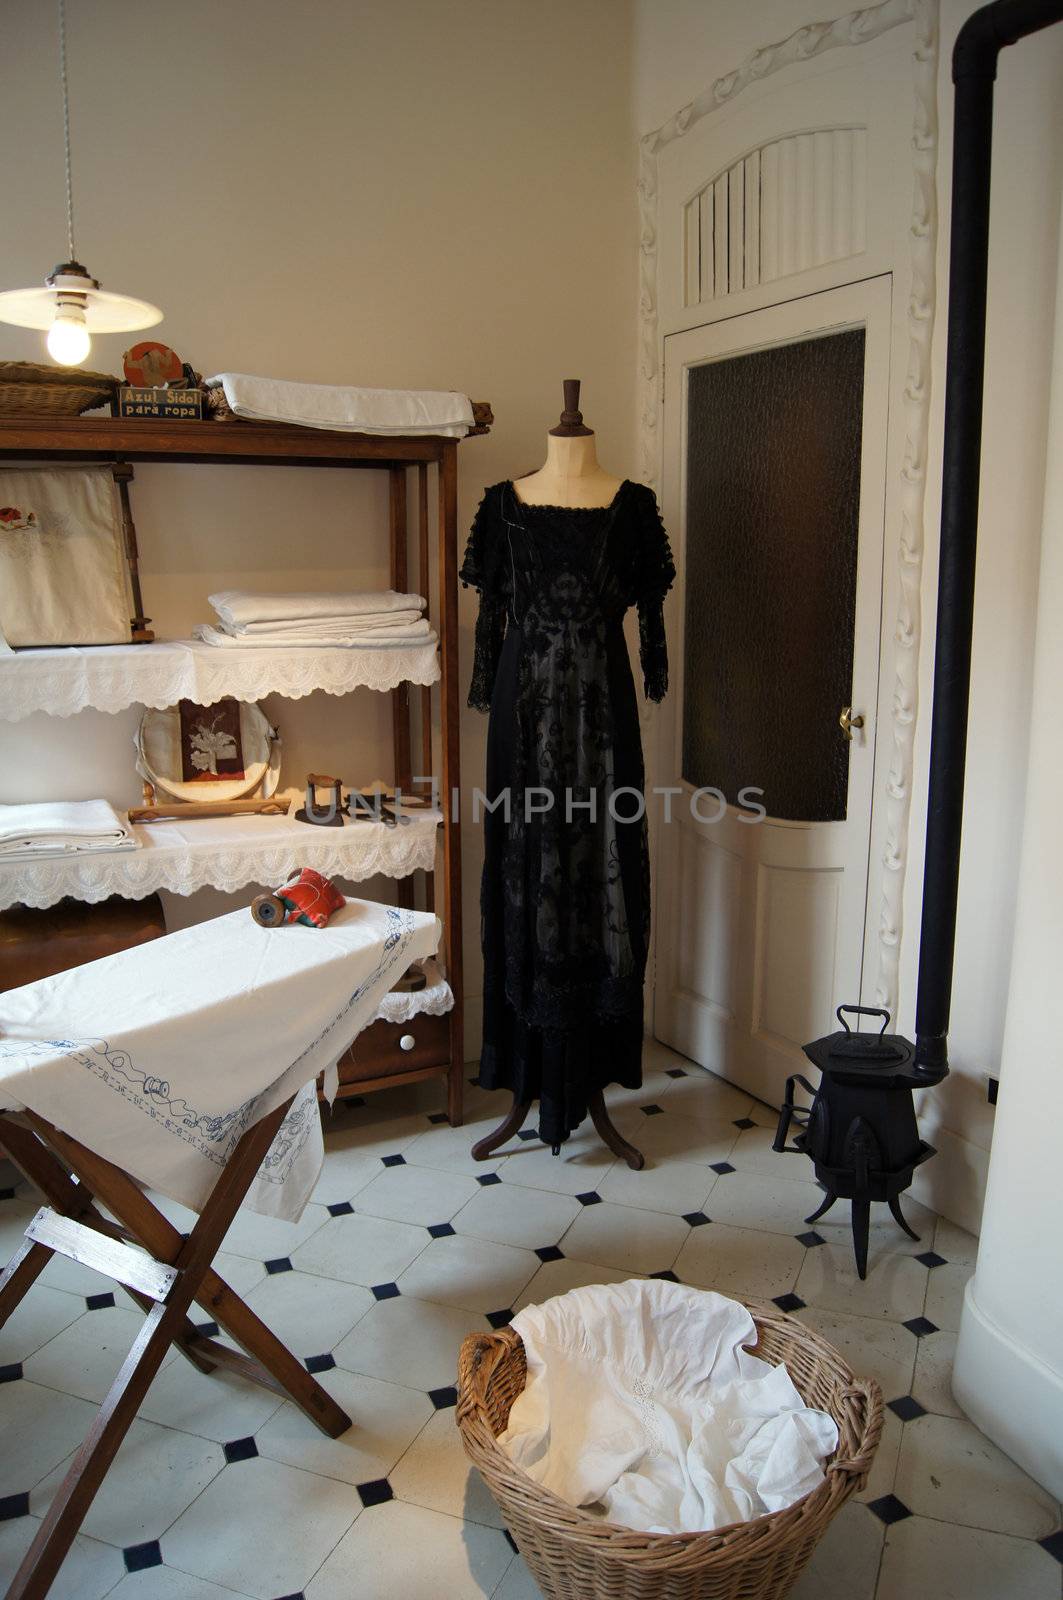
(772, 514)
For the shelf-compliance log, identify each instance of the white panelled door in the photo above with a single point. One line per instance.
(773, 492)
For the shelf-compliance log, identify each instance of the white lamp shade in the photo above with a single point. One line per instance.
(104, 312)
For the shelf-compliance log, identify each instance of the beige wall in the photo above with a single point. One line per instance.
(680, 47)
(391, 192)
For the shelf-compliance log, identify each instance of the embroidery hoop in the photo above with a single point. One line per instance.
(158, 745)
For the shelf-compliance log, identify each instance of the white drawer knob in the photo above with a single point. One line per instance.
(407, 1041)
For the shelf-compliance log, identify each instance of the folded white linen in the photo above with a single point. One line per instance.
(208, 634)
(62, 828)
(642, 1403)
(242, 606)
(347, 410)
(377, 621)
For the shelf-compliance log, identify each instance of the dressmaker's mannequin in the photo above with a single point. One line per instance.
(570, 476)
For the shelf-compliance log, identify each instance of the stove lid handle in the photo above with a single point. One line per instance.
(864, 1011)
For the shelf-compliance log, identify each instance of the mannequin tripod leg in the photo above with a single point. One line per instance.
(611, 1136)
(515, 1120)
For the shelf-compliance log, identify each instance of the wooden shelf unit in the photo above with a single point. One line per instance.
(117, 440)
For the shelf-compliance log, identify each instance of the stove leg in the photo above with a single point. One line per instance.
(861, 1223)
(612, 1136)
(894, 1204)
(825, 1207)
(516, 1119)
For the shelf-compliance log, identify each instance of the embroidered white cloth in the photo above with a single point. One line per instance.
(642, 1403)
(347, 410)
(111, 677)
(434, 1000)
(159, 1058)
(242, 608)
(61, 828)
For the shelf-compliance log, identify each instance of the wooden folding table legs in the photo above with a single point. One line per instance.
(176, 1271)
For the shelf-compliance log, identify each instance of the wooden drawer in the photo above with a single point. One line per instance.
(386, 1047)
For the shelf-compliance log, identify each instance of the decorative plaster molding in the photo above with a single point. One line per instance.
(855, 28)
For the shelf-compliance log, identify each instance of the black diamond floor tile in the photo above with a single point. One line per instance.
(677, 1072)
(441, 1230)
(810, 1239)
(14, 1505)
(550, 1252)
(889, 1509)
(342, 1208)
(240, 1450)
(906, 1408)
(437, 1116)
(99, 1302)
(7, 1194)
(299, 1596)
(744, 1122)
(442, 1398)
(696, 1219)
(386, 1291)
(589, 1197)
(393, 1161)
(722, 1167)
(930, 1258)
(322, 1363)
(208, 1330)
(376, 1492)
(789, 1302)
(11, 1373)
(921, 1326)
(667, 1277)
(500, 1319)
(651, 1111)
(527, 1134)
(278, 1264)
(488, 1178)
(139, 1557)
(1053, 1543)
(510, 1540)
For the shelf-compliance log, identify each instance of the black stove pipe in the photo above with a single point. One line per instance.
(974, 65)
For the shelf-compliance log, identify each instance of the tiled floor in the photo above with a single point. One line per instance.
(223, 1490)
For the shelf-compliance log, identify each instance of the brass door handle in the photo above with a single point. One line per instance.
(847, 722)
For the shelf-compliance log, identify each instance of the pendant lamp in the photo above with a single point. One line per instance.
(70, 303)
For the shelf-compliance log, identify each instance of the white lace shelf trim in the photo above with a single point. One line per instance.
(112, 677)
(434, 1000)
(226, 853)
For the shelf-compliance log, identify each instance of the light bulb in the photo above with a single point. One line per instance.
(68, 337)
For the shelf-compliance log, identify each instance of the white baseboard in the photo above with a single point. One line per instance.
(953, 1182)
(1010, 1394)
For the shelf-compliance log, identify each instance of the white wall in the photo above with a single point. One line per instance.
(1009, 1360)
(390, 192)
(681, 47)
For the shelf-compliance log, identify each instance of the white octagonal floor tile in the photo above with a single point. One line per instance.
(508, 1214)
(261, 1528)
(166, 1583)
(385, 1420)
(409, 1342)
(777, 1205)
(474, 1274)
(675, 1187)
(558, 1277)
(309, 1314)
(271, 1238)
(944, 1295)
(628, 1240)
(740, 1261)
(84, 1359)
(40, 1428)
(155, 1476)
(89, 1572)
(405, 1552)
(448, 1149)
(416, 1194)
(582, 1162)
(950, 1471)
(844, 1565)
(39, 1317)
(358, 1249)
(872, 1347)
(933, 1374)
(215, 1405)
(895, 1286)
(943, 1562)
(678, 1136)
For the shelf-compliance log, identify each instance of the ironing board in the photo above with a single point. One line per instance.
(188, 1064)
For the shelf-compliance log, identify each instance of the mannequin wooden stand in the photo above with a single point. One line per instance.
(607, 1133)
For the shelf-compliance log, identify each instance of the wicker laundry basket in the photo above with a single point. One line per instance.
(31, 389)
(573, 1556)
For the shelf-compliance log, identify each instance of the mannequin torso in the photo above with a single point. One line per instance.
(570, 476)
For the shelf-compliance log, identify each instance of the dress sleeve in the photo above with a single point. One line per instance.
(481, 571)
(654, 576)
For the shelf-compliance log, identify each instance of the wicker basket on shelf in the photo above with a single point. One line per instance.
(574, 1556)
(30, 389)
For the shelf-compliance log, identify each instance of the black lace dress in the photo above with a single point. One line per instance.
(565, 895)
